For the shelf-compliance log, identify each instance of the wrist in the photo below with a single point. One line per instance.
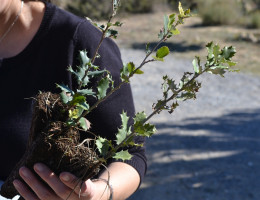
(104, 189)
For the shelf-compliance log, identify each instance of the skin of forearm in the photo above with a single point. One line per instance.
(124, 180)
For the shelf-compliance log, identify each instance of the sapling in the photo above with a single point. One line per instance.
(60, 118)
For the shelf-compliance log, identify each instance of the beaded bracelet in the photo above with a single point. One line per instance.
(109, 186)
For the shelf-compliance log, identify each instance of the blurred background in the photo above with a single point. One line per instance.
(235, 22)
(209, 149)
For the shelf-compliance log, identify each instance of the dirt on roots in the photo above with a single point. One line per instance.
(53, 143)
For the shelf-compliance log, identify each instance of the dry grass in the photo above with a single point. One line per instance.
(142, 28)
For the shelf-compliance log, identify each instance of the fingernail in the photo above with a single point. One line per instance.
(24, 172)
(38, 167)
(65, 177)
(16, 184)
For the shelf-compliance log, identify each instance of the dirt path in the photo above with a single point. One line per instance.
(209, 149)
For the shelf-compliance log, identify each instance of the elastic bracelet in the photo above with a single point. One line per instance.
(109, 186)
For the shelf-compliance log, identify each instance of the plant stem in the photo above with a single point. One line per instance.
(148, 54)
(101, 40)
(111, 152)
(101, 100)
(97, 49)
(196, 75)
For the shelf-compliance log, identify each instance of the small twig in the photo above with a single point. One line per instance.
(82, 143)
(55, 102)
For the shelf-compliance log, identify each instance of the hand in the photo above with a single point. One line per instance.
(59, 187)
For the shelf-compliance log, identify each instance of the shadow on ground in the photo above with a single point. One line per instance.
(173, 46)
(205, 159)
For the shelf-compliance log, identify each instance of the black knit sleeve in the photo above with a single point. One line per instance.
(105, 119)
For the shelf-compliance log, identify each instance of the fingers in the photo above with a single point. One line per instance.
(57, 189)
(54, 182)
(24, 190)
(85, 189)
(40, 190)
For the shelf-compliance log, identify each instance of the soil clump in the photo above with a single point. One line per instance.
(54, 144)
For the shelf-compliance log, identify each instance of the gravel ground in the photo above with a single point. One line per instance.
(208, 149)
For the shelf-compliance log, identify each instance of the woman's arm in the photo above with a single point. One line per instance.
(124, 180)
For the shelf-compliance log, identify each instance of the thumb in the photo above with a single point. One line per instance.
(85, 189)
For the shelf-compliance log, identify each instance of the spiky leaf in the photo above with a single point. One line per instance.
(124, 131)
(77, 99)
(83, 123)
(65, 88)
(123, 155)
(102, 87)
(196, 65)
(228, 52)
(84, 59)
(103, 145)
(86, 92)
(145, 130)
(65, 98)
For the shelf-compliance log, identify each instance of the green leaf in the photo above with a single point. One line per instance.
(216, 51)
(71, 122)
(139, 71)
(112, 33)
(181, 11)
(161, 34)
(102, 87)
(102, 145)
(124, 119)
(123, 155)
(160, 105)
(83, 123)
(209, 47)
(84, 59)
(171, 85)
(65, 98)
(65, 88)
(186, 95)
(80, 73)
(130, 67)
(175, 31)
(147, 48)
(166, 22)
(140, 117)
(187, 12)
(144, 130)
(158, 59)
(162, 52)
(228, 52)
(77, 99)
(83, 105)
(117, 23)
(231, 63)
(218, 70)
(96, 73)
(123, 132)
(173, 107)
(75, 113)
(181, 84)
(116, 4)
(171, 21)
(196, 65)
(124, 73)
(86, 92)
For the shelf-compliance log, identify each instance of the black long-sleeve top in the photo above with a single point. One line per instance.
(40, 66)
